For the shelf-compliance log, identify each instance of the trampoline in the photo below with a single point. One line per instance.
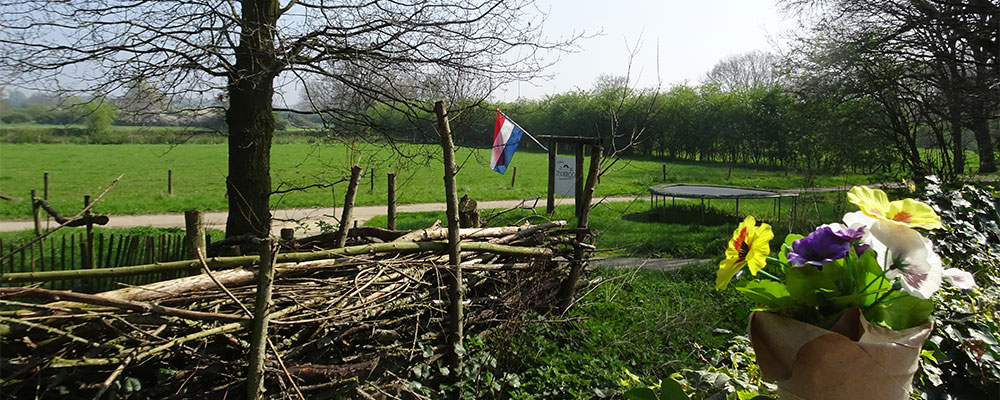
(709, 192)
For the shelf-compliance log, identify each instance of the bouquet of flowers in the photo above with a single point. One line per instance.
(850, 302)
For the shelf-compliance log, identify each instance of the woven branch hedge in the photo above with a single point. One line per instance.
(345, 326)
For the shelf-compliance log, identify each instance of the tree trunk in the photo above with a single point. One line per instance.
(981, 131)
(251, 124)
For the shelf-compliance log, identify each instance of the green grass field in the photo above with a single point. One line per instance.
(199, 174)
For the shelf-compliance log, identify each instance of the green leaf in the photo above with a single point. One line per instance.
(671, 390)
(640, 394)
(773, 295)
(900, 312)
(787, 246)
(809, 284)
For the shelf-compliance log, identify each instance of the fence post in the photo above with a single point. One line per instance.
(170, 183)
(345, 218)
(194, 234)
(89, 215)
(258, 327)
(45, 194)
(371, 180)
(513, 177)
(391, 202)
(36, 213)
(664, 173)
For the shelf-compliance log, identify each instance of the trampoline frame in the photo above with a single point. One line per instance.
(662, 192)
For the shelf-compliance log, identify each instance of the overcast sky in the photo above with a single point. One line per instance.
(688, 37)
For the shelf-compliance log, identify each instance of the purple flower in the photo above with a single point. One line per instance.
(848, 234)
(820, 247)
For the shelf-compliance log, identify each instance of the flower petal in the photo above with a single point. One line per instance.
(959, 278)
(914, 214)
(727, 269)
(873, 202)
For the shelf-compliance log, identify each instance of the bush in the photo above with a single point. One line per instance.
(16, 117)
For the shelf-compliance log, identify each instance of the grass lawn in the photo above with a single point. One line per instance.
(199, 173)
(678, 231)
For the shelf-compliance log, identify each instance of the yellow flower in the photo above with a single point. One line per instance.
(749, 246)
(874, 203)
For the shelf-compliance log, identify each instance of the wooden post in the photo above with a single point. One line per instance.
(664, 173)
(371, 180)
(568, 290)
(391, 202)
(550, 202)
(345, 217)
(89, 215)
(45, 194)
(170, 182)
(258, 327)
(455, 290)
(578, 192)
(36, 213)
(194, 234)
(513, 177)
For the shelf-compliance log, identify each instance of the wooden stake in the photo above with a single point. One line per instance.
(36, 213)
(513, 177)
(455, 290)
(664, 173)
(258, 328)
(345, 217)
(194, 234)
(89, 261)
(371, 180)
(391, 202)
(45, 194)
(550, 203)
(170, 182)
(578, 186)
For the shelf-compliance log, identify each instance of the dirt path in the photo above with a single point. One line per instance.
(304, 220)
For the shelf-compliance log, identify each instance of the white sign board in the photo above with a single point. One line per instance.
(566, 176)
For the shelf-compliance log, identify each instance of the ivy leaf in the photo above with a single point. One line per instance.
(640, 394)
(671, 390)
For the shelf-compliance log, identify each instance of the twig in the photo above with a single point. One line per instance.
(57, 331)
(114, 375)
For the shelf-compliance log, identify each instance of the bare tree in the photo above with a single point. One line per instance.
(240, 52)
(755, 68)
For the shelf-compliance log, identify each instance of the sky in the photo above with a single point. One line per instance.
(679, 40)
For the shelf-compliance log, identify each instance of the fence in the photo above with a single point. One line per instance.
(68, 252)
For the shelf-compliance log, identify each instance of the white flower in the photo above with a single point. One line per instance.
(908, 256)
(958, 278)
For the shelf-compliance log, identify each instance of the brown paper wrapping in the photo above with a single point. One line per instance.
(854, 360)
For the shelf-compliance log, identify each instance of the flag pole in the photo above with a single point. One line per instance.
(522, 130)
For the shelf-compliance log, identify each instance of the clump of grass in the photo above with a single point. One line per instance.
(651, 323)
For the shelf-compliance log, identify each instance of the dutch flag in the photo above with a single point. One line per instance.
(506, 136)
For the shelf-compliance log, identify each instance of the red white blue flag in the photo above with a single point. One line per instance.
(506, 136)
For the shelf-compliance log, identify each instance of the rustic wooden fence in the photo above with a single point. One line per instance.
(68, 252)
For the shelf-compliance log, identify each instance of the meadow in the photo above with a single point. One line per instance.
(321, 171)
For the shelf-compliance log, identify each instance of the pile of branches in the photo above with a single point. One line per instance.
(354, 325)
